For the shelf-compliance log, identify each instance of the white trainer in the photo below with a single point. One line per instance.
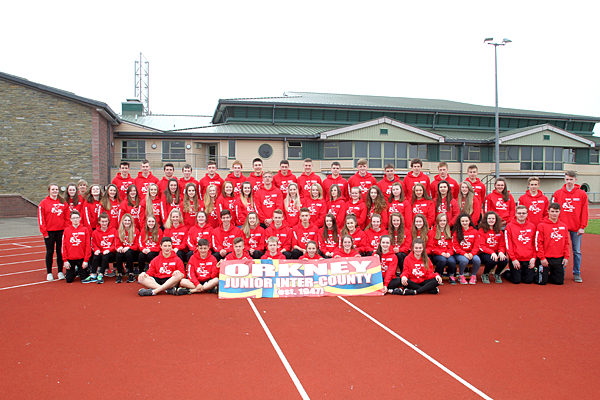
(61, 276)
(49, 277)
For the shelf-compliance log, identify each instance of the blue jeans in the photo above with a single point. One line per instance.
(576, 243)
(441, 262)
(464, 261)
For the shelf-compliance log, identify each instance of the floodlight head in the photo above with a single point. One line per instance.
(505, 40)
(488, 39)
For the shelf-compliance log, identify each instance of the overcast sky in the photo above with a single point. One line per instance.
(200, 53)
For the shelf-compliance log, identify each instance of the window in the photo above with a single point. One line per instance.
(383, 131)
(231, 149)
(294, 149)
(543, 158)
(173, 150)
(448, 152)
(133, 150)
(594, 156)
(472, 153)
(508, 153)
(338, 150)
(569, 156)
(265, 151)
(417, 150)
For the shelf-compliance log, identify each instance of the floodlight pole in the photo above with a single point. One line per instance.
(497, 146)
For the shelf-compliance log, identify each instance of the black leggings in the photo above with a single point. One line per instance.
(145, 258)
(76, 269)
(489, 264)
(100, 262)
(129, 256)
(426, 286)
(401, 257)
(54, 238)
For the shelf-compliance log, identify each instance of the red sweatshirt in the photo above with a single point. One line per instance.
(415, 270)
(256, 181)
(142, 183)
(552, 239)
(470, 243)
(361, 241)
(190, 217)
(318, 210)
(476, 209)
(122, 184)
(90, 219)
(52, 215)
(386, 185)
(163, 267)
(183, 183)
(384, 217)
(479, 189)
(163, 184)
(441, 245)
(338, 208)
(134, 211)
(302, 235)
(213, 217)
(305, 182)
(178, 236)
(76, 243)
(425, 207)
(433, 187)
(168, 207)
(291, 213)
(389, 265)
(241, 210)
(196, 233)
(282, 182)
(537, 206)
(257, 239)
(227, 203)
(574, 207)
(403, 208)
(216, 181)
(157, 209)
(519, 240)
(245, 256)
(201, 269)
(283, 233)
(267, 201)
(113, 213)
(277, 256)
(410, 180)
(374, 237)
(404, 247)
(340, 181)
(452, 213)
(148, 243)
(492, 242)
(104, 240)
(307, 258)
(79, 207)
(362, 182)
(505, 209)
(237, 183)
(328, 245)
(223, 239)
(133, 245)
(340, 253)
(359, 210)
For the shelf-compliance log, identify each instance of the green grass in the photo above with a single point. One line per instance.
(593, 227)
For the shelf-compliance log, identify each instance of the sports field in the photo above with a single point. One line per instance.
(105, 342)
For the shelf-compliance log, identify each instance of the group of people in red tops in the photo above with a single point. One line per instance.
(418, 228)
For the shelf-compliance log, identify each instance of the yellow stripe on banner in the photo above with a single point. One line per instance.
(369, 289)
(374, 270)
(227, 295)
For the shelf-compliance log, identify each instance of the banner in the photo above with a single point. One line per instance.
(350, 276)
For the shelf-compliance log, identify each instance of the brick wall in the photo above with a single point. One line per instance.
(14, 205)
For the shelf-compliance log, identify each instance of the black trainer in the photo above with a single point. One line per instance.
(119, 279)
(214, 290)
(172, 291)
(130, 278)
(409, 292)
(145, 292)
(399, 291)
(183, 291)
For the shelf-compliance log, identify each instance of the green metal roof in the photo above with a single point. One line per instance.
(264, 129)
(466, 135)
(383, 102)
(167, 123)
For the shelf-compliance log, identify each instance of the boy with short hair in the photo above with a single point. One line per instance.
(203, 272)
(535, 201)
(520, 245)
(163, 184)
(478, 186)
(212, 178)
(76, 249)
(224, 235)
(336, 179)
(415, 176)
(282, 232)
(307, 178)
(187, 178)
(362, 179)
(165, 272)
(389, 178)
(122, 180)
(303, 233)
(267, 199)
(144, 179)
(236, 177)
(256, 177)
(443, 176)
(284, 177)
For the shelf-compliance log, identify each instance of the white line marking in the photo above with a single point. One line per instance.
(22, 254)
(21, 262)
(25, 272)
(23, 245)
(427, 356)
(27, 284)
(280, 353)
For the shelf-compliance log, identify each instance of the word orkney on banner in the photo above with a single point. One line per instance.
(350, 276)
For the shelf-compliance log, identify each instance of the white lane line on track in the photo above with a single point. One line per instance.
(284, 360)
(421, 352)
(27, 284)
(22, 254)
(25, 272)
(22, 245)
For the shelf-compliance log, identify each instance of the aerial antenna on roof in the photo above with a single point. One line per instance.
(142, 82)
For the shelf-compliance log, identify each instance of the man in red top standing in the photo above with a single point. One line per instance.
(574, 203)
(336, 179)
(122, 180)
(478, 186)
(163, 184)
(165, 272)
(535, 201)
(390, 177)
(187, 178)
(284, 177)
(443, 176)
(256, 177)
(552, 244)
(362, 179)
(236, 177)
(415, 176)
(145, 178)
(212, 178)
(307, 178)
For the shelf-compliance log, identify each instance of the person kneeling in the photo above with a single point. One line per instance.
(203, 273)
(165, 272)
(417, 276)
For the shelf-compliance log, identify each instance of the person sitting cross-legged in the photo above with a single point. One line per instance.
(165, 272)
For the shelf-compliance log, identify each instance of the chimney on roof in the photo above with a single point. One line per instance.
(132, 107)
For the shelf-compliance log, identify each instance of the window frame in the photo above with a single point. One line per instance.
(171, 153)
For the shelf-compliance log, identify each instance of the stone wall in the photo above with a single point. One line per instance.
(45, 138)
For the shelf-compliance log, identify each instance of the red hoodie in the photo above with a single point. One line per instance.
(389, 265)
(373, 238)
(492, 242)
(305, 182)
(443, 208)
(341, 182)
(245, 256)
(505, 209)
(178, 236)
(163, 267)
(476, 209)
(90, 219)
(196, 233)
(52, 215)
(134, 211)
(190, 216)
(201, 269)
(519, 240)
(361, 241)
(237, 183)
(386, 185)
(122, 184)
(104, 240)
(410, 180)
(183, 183)
(147, 242)
(328, 245)
(142, 183)
(215, 180)
(223, 239)
(404, 247)
(552, 239)
(267, 201)
(433, 187)
(574, 207)
(415, 271)
(282, 181)
(241, 210)
(302, 235)
(256, 181)
(125, 242)
(362, 182)
(163, 184)
(359, 210)
(479, 188)
(113, 213)
(403, 208)
(283, 233)
(441, 245)
(384, 217)
(76, 243)
(257, 239)
(318, 209)
(277, 256)
(341, 253)
(425, 207)
(338, 208)
(537, 206)
(291, 213)
(470, 243)
(227, 203)
(158, 211)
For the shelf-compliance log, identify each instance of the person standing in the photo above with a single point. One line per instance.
(52, 219)
(122, 180)
(307, 178)
(284, 177)
(535, 201)
(574, 204)
(415, 176)
(362, 179)
(211, 178)
(336, 179)
(145, 178)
